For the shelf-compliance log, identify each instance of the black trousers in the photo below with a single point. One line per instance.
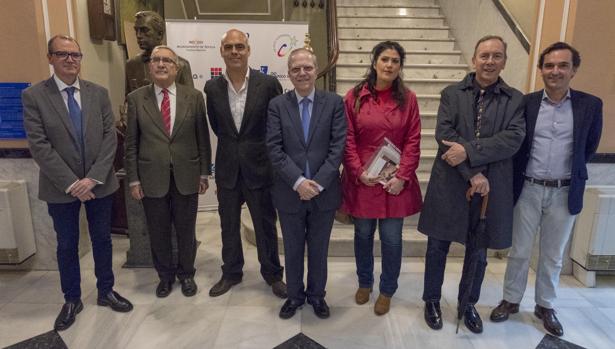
(178, 211)
(312, 227)
(264, 220)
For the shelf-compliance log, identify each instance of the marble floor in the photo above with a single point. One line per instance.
(247, 316)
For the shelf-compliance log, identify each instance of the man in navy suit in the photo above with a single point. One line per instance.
(563, 132)
(306, 133)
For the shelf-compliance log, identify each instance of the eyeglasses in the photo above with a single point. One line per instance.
(76, 56)
(164, 60)
(306, 68)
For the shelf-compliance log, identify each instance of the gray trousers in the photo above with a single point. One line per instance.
(545, 209)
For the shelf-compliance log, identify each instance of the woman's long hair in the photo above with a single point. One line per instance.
(399, 89)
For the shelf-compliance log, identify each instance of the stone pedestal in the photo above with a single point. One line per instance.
(44, 234)
(139, 254)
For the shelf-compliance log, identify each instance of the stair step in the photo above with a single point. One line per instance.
(388, 11)
(390, 22)
(398, 33)
(412, 56)
(430, 86)
(386, 3)
(411, 71)
(366, 45)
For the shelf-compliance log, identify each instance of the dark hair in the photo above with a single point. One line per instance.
(399, 89)
(576, 57)
(487, 38)
(60, 36)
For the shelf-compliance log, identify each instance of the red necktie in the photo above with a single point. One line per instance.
(165, 109)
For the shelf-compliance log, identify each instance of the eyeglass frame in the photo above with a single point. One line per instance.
(76, 56)
(164, 60)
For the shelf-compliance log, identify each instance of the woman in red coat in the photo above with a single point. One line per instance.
(381, 107)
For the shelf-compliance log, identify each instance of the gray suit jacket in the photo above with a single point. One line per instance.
(54, 145)
(150, 151)
(324, 149)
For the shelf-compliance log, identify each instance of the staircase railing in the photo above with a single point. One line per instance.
(332, 44)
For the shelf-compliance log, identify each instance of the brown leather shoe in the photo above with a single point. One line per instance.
(362, 295)
(501, 312)
(279, 289)
(383, 304)
(549, 320)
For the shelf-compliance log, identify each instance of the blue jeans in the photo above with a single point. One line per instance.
(66, 224)
(390, 239)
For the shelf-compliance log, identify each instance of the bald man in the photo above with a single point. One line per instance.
(237, 109)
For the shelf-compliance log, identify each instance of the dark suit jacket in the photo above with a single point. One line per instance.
(242, 150)
(54, 145)
(324, 149)
(150, 151)
(587, 121)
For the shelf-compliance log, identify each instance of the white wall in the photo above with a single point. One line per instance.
(472, 19)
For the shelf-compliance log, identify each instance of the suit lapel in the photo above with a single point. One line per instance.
(293, 111)
(225, 105)
(577, 112)
(150, 104)
(180, 109)
(319, 104)
(253, 94)
(86, 102)
(469, 119)
(56, 100)
(532, 115)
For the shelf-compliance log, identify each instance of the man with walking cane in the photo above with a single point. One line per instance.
(480, 127)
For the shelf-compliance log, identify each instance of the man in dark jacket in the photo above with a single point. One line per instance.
(563, 131)
(480, 127)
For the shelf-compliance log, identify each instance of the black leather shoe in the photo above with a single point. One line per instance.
(433, 315)
(321, 309)
(290, 308)
(188, 287)
(67, 315)
(501, 312)
(549, 320)
(164, 288)
(279, 289)
(222, 287)
(115, 302)
(472, 320)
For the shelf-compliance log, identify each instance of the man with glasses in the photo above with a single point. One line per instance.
(167, 163)
(237, 109)
(69, 123)
(307, 188)
(480, 127)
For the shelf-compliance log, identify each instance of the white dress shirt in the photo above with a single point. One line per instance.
(237, 99)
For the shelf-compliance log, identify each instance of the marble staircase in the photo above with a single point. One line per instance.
(432, 62)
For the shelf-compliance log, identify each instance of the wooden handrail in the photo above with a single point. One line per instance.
(332, 40)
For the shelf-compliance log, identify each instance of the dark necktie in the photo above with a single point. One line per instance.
(165, 109)
(75, 114)
(305, 122)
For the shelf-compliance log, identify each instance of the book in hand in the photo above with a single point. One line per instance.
(385, 162)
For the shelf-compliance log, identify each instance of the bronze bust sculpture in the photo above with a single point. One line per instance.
(149, 28)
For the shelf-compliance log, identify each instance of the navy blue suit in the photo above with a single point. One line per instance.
(306, 221)
(587, 121)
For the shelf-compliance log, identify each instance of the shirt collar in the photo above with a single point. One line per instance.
(310, 96)
(225, 74)
(546, 97)
(172, 89)
(62, 85)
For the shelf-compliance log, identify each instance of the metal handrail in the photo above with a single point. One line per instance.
(332, 40)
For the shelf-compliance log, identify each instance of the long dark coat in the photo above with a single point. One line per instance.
(445, 212)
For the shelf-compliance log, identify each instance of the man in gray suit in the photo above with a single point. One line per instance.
(70, 131)
(306, 133)
(167, 161)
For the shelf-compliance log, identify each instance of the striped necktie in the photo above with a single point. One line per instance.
(165, 109)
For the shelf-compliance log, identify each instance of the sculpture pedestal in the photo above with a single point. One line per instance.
(139, 254)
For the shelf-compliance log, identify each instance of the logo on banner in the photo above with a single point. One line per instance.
(215, 71)
(264, 69)
(283, 44)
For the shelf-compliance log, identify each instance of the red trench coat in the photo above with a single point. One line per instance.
(379, 118)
